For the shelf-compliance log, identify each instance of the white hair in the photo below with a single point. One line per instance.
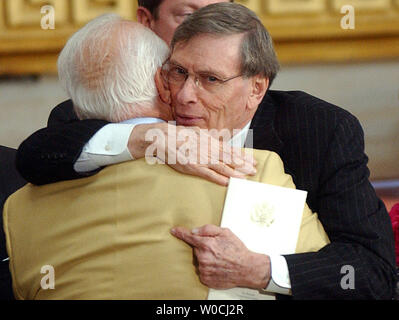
(108, 68)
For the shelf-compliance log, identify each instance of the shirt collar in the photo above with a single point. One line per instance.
(238, 140)
(144, 120)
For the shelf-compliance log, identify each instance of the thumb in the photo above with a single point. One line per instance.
(208, 230)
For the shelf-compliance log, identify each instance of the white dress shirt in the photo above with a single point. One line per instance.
(110, 146)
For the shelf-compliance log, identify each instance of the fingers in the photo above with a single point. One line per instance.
(187, 236)
(202, 172)
(228, 171)
(202, 155)
(221, 173)
(218, 172)
(208, 230)
(243, 160)
(202, 148)
(197, 236)
(213, 176)
(212, 150)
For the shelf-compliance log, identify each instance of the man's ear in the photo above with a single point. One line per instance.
(162, 87)
(258, 91)
(144, 17)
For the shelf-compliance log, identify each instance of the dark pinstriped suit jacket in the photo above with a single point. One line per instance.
(10, 181)
(322, 147)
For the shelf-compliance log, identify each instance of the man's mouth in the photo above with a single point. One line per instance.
(186, 120)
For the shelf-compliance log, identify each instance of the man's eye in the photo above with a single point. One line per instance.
(186, 14)
(183, 16)
(179, 71)
(212, 79)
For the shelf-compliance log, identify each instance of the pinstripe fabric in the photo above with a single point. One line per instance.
(322, 147)
(10, 181)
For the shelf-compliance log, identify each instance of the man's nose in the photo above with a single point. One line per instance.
(188, 93)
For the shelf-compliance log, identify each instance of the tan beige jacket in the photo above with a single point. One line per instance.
(108, 236)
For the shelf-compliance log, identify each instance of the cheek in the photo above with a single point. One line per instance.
(214, 110)
(227, 104)
(232, 109)
(173, 95)
(222, 102)
(216, 105)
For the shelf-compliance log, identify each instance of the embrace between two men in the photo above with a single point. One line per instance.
(108, 234)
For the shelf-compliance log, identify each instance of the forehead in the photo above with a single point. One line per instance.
(206, 52)
(194, 4)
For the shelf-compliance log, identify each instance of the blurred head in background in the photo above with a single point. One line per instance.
(164, 16)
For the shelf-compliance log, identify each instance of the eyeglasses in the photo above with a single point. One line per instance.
(177, 75)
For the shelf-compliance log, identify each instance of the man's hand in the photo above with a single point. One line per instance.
(223, 260)
(191, 150)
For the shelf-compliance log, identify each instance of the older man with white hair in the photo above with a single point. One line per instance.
(108, 69)
(107, 236)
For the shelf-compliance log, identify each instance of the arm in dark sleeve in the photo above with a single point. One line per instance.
(49, 154)
(10, 181)
(357, 224)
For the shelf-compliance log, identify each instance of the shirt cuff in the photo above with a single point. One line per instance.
(280, 278)
(108, 146)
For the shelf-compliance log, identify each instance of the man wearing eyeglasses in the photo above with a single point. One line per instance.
(226, 90)
(321, 146)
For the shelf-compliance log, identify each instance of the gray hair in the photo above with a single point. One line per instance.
(257, 53)
(108, 68)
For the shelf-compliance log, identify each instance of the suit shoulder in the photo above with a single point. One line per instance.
(63, 107)
(307, 112)
(62, 113)
(301, 102)
(7, 154)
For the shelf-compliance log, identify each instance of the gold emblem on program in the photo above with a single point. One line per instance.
(263, 214)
